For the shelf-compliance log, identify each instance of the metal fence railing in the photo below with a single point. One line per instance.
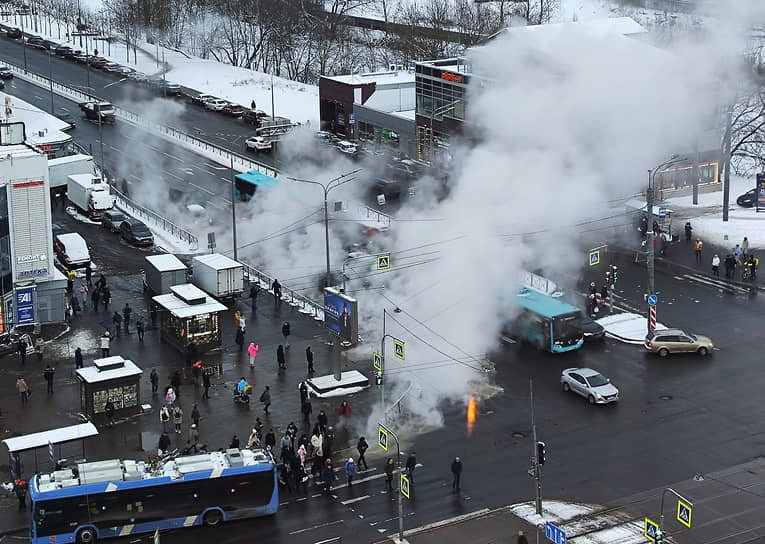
(303, 304)
(147, 216)
(220, 155)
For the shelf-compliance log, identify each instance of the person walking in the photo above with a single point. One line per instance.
(23, 388)
(75, 305)
(117, 322)
(716, 265)
(106, 298)
(109, 410)
(323, 421)
(170, 396)
(265, 398)
(411, 464)
(95, 298)
(280, 357)
(270, 440)
(22, 350)
(303, 390)
(456, 473)
(206, 385)
(309, 358)
(105, 341)
(286, 334)
(306, 409)
(139, 327)
(243, 324)
(177, 418)
(127, 311)
(350, 470)
(195, 415)
(328, 476)
(164, 443)
(77, 358)
(237, 318)
(194, 435)
(164, 417)
(688, 232)
(20, 489)
(344, 411)
(254, 292)
(84, 295)
(239, 338)
(154, 379)
(48, 374)
(697, 247)
(88, 275)
(252, 351)
(301, 453)
(101, 283)
(362, 448)
(522, 538)
(277, 287)
(389, 468)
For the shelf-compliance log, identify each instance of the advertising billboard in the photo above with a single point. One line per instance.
(761, 192)
(25, 306)
(341, 315)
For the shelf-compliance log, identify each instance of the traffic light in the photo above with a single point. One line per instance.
(614, 273)
(379, 378)
(659, 537)
(541, 454)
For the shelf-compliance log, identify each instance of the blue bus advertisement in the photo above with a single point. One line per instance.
(341, 315)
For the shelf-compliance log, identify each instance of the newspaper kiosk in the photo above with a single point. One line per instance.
(110, 379)
(189, 315)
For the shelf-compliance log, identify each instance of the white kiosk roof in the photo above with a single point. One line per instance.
(108, 368)
(217, 261)
(166, 262)
(175, 304)
(54, 436)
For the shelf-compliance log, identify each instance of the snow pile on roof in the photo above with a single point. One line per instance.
(627, 327)
(41, 127)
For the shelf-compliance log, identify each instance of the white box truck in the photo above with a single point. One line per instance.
(61, 168)
(220, 276)
(90, 194)
(162, 272)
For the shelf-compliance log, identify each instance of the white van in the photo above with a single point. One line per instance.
(72, 250)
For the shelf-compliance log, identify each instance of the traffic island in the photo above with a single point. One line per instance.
(350, 382)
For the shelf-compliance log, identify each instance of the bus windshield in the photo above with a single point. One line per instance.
(547, 322)
(567, 327)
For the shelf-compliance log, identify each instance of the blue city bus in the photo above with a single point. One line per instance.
(117, 498)
(546, 322)
(246, 183)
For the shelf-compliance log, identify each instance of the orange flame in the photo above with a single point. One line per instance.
(472, 411)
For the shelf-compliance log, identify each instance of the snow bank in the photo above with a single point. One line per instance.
(627, 327)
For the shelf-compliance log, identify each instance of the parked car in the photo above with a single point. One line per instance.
(110, 67)
(234, 110)
(37, 43)
(82, 58)
(250, 116)
(138, 77)
(668, 341)
(593, 331)
(124, 70)
(346, 147)
(136, 232)
(112, 220)
(72, 54)
(170, 89)
(200, 99)
(748, 199)
(63, 50)
(72, 250)
(14, 33)
(97, 62)
(590, 384)
(216, 104)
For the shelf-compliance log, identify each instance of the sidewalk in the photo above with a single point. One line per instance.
(499, 526)
(221, 418)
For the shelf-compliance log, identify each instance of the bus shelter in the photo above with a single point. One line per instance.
(110, 379)
(190, 315)
(52, 440)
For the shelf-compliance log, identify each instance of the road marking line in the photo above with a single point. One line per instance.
(172, 175)
(114, 149)
(333, 539)
(316, 527)
(114, 82)
(172, 157)
(208, 191)
(449, 521)
(367, 479)
(357, 499)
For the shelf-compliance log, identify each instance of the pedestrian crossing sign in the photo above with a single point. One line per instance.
(398, 349)
(383, 261)
(404, 486)
(684, 512)
(650, 530)
(382, 438)
(377, 361)
(594, 257)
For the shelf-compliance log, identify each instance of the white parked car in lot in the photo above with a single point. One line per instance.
(216, 104)
(590, 384)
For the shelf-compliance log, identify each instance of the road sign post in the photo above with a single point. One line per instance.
(382, 429)
(383, 262)
(398, 349)
(684, 512)
(594, 257)
(650, 529)
(377, 361)
(404, 485)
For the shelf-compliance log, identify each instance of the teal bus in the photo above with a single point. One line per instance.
(545, 322)
(246, 183)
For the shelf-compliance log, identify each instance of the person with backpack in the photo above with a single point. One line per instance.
(177, 418)
(164, 417)
(350, 470)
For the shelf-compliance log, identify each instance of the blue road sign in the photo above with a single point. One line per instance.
(555, 534)
(25, 306)
(662, 213)
(652, 300)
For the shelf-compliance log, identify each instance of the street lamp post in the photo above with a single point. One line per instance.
(382, 355)
(50, 81)
(437, 112)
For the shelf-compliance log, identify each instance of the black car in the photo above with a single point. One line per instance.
(5, 73)
(63, 50)
(748, 199)
(593, 332)
(14, 33)
(136, 233)
(112, 220)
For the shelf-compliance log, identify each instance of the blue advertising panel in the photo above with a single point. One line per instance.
(340, 315)
(761, 192)
(25, 306)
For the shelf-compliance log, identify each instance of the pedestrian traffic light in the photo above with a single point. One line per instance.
(379, 378)
(541, 454)
(659, 537)
(614, 273)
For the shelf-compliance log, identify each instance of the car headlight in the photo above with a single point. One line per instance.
(599, 396)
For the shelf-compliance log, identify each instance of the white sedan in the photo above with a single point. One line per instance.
(216, 104)
(589, 383)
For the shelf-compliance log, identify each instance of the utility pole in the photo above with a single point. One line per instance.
(726, 158)
(537, 468)
(233, 205)
(400, 473)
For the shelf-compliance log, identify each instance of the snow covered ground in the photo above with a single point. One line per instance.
(627, 327)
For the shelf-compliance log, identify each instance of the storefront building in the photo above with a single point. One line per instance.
(110, 379)
(188, 315)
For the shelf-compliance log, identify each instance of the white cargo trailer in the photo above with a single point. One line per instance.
(220, 276)
(162, 272)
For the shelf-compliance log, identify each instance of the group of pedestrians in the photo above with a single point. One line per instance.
(739, 263)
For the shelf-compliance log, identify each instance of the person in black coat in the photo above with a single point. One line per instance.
(362, 447)
(270, 439)
(206, 385)
(164, 443)
(522, 538)
(456, 473)
(78, 358)
(280, 357)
